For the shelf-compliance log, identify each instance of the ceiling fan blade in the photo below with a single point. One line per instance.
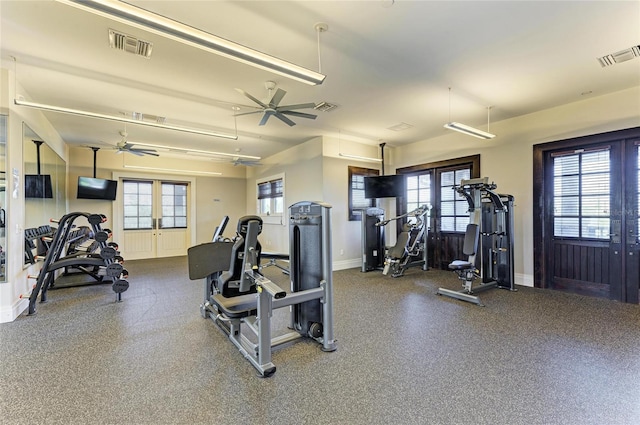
(265, 117)
(277, 97)
(298, 106)
(247, 113)
(299, 114)
(251, 97)
(284, 119)
(145, 151)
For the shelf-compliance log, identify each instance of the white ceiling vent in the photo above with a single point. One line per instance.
(621, 56)
(325, 106)
(400, 127)
(129, 43)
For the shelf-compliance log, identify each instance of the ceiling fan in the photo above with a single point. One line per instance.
(247, 162)
(124, 146)
(271, 108)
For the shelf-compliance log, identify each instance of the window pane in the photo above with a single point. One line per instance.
(569, 227)
(461, 224)
(581, 199)
(447, 194)
(447, 208)
(595, 228)
(447, 178)
(566, 165)
(145, 223)
(566, 185)
(595, 184)
(593, 162)
(130, 222)
(167, 222)
(566, 205)
(448, 224)
(181, 222)
(412, 183)
(595, 205)
(279, 205)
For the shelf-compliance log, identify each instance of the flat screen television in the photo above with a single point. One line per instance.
(92, 188)
(37, 186)
(385, 186)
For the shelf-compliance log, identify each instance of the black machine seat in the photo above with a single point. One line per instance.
(469, 249)
(236, 307)
(461, 265)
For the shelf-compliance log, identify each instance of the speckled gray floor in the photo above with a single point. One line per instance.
(405, 356)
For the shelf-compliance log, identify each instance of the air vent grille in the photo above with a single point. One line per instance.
(130, 44)
(621, 56)
(325, 106)
(400, 127)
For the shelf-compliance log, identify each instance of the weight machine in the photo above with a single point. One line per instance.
(237, 294)
(373, 248)
(410, 249)
(488, 241)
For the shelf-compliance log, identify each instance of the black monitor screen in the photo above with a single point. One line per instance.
(37, 186)
(384, 186)
(92, 188)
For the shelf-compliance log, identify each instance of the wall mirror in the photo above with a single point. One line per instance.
(45, 185)
(3, 196)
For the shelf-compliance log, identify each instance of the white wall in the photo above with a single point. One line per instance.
(17, 283)
(301, 166)
(508, 159)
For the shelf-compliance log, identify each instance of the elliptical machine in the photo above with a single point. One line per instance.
(410, 249)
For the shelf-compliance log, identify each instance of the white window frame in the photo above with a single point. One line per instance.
(271, 217)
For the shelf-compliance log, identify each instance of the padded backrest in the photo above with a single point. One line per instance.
(471, 236)
(397, 251)
(229, 281)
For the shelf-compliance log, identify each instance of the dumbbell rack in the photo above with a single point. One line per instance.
(107, 259)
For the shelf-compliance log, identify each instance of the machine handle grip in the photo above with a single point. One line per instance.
(272, 289)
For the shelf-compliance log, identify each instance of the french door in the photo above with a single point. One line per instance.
(589, 189)
(433, 184)
(155, 218)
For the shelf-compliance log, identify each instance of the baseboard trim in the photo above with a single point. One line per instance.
(347, 264)
(11, 313)
(524, 279)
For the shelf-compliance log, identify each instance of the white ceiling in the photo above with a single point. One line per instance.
(386, 63)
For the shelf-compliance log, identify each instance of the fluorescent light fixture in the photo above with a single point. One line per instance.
(469, 130)
(64, 110)
(148, 21)
(140, 167)
(362, 158)
(185, 150)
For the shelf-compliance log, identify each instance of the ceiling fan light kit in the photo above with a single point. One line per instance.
(148, 21)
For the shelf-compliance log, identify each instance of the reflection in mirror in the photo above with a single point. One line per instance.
(3, 195)
(44, 190)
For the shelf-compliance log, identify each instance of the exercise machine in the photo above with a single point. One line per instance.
(373, 244)
(240, 300)
(410, 249)
(488, 241)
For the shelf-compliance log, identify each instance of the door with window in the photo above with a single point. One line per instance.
(155, 219)
(433, 184)
(590, 213)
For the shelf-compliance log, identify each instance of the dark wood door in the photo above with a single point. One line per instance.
(591, 215)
